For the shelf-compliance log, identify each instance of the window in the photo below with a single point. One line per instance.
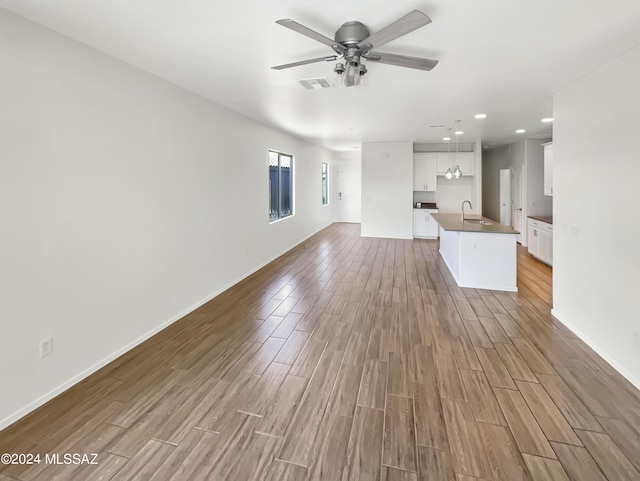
(325, 183)
(280, 185)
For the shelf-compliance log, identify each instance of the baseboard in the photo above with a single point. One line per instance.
(12, 418)
(491, 287)
(612, 362)
(367, 236)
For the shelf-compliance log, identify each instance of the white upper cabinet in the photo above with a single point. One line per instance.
(424, 171)
(548, 168)
(448, 160)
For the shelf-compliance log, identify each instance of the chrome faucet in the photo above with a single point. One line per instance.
(470, 207)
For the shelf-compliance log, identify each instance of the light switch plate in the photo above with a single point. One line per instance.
(46, 346)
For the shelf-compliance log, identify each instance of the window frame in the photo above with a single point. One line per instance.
(280, 215)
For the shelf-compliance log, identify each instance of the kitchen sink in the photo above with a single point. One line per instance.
(479, 221)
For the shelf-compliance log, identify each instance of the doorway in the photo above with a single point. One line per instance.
(349, 188)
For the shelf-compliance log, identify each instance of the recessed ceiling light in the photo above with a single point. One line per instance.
(520, 131)
(480, 116)
(546, 120)
(458, 132)
(446, 138)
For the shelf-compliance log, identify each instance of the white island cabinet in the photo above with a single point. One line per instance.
(480, 255)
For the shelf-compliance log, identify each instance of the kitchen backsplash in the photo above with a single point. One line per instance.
(424, 197)
(449, 195)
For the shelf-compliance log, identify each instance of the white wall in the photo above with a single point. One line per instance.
(450, 195)
(124, 202)
(387, 190)
(596, 229)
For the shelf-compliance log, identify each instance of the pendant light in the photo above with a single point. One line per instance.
(448, 174)
(457, 173)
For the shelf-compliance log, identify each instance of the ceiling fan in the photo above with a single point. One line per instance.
(353, 42)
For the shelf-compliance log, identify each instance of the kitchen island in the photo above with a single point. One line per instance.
(479, 252)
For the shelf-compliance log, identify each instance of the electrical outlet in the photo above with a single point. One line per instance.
(46, 346)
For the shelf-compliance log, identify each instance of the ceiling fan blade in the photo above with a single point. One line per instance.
(400, 27)
(305, 62)
(402, 60)
(297, 27)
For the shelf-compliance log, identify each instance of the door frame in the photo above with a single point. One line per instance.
(506, 190)
(522, 237)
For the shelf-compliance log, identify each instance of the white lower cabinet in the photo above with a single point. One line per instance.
(540, 240)
(424, 226)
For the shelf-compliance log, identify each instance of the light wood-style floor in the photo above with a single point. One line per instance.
(350, 359)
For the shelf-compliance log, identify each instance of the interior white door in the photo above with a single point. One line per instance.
(505, 197)
(518, 204)
(349, 188)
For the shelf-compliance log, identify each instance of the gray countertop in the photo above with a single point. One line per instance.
(542, 218)
(453, 222)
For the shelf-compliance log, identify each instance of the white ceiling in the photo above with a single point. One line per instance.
(504, 58)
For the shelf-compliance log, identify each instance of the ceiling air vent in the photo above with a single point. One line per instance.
(315, 83)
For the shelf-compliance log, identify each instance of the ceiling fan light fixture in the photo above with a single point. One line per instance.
(350, 75)
(362, 82)
(353, 76)
(339, 78)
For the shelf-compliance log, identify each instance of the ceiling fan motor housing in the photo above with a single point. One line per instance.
(351, 34)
